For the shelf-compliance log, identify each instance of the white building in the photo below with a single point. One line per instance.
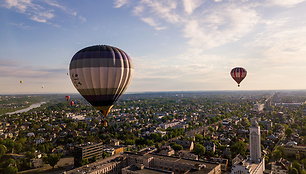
(255, 164)
(39, 140)
(247, 167)
(167, 125)
(255, 147)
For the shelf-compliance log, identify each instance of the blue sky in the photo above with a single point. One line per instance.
(175, 44)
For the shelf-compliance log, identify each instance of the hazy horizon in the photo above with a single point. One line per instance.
(148, 92)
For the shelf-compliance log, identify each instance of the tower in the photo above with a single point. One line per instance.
(255, 146)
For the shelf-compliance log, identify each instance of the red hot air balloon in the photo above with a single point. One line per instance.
(238, 74)
(67, 97)
(72, 103)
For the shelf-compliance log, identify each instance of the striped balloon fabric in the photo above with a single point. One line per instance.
(238, 74)
(101, 74)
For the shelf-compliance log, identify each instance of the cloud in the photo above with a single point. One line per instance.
(21, 25)
(35, 12)
(220, 26)
(33, 77)
(190, 6)
(152, 23)
(59, 6)
(206, 25)
(284, 3)
(39, 11)
(282, 47)
(11, 68)
(43, 17)
(120, 3)
(221, 34)
(20, 5)
(159, 10)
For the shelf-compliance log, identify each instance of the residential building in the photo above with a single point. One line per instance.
(186, 144)
(210, 146)
(166, 150)
(174, 164)
(141, 169)
(111, 165)
(87, 151)
(277, 167)
(295, 150)
(187, 155)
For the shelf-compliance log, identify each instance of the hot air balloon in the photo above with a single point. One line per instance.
(67, 97)
(238, 74)
(20, 81)
(101, 74)
(71, 103)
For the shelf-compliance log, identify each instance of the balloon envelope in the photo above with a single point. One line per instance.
(101, 74)
(238, 74)
(67, 97)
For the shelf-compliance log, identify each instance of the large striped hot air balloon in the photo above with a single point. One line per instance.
(101, 74)
(238, 74)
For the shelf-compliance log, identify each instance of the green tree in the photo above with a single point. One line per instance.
(297, 165)
(177, 147)
(129, 142)
(9, 144)
(52, 159)
(105, 155)
(277, 154)
(199, 138)
(3, 150)
(288, 132)
(199, 149)
(10, 170)
(239, 147)
(211, 129)
(29, 155)
(18, 147)
(84, 162)
(149, 142)
(293, 171)
(303, 162)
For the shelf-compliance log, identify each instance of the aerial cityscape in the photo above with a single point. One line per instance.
(152, 86)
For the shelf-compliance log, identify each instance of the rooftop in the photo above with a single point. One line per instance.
(146, 170)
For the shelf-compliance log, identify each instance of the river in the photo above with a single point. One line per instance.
(35, 105)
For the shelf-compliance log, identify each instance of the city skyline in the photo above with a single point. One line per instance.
(175, 45)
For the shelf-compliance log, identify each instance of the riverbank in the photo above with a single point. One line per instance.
(32, 106)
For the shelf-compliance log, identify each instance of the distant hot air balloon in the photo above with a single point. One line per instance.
(101, 74)
(67, 97)
(42, 86)
(71, 103)
(238, 74)
(20, 81)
